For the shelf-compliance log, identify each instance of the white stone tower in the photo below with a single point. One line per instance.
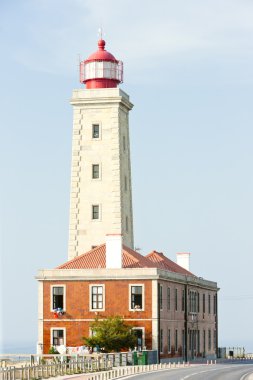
(101, 193)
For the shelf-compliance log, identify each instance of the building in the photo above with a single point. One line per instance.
(101, 191)
(172, 310)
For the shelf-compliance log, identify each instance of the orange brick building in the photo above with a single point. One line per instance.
(172, 310)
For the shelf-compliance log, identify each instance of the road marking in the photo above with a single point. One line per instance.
(246, 375)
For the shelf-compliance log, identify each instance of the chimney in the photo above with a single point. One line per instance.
(113, 246)
(183, 259)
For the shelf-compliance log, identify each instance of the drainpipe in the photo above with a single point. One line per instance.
(216, 324)
(158, 324)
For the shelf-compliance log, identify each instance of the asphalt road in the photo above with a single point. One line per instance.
(202, 372)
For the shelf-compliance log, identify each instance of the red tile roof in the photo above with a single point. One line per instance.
(164, 263)
(95, 258)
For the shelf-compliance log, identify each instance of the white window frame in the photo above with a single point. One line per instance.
(90, 298)
(100, 131)
(143, 334)
(143, 297)
(64, 295)
(64, 334)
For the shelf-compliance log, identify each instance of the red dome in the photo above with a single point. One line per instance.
(101, 54)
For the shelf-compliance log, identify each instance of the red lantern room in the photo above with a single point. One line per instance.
(101, 69)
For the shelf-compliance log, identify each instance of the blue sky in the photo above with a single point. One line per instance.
(188, 68)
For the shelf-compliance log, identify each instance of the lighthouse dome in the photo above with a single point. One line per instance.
(101, 69)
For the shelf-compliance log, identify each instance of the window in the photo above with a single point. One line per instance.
(176, 340)
(193, 302)
(57, 297)
(95, 171)
(215, 304)
(209, 340)
(124, 143)
(183, 299)
(168, 298)
(57, 337)
(125, 183)
(97, 297)
(161, 340)
(204, 303)
(95, 131)
(126, 223)
(136, 297)
(198, 302)
(169, 341)
(95, 212)
(204, 341)
(183, 342)
(161, 296)
(209, 304)
(175, 299)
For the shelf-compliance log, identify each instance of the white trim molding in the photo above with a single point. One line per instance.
(90, 297)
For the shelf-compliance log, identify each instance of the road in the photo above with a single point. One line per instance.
(202, 372)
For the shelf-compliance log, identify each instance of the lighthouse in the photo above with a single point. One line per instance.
(101, 190)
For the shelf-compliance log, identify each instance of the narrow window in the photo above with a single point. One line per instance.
(214, 339)
(95, 171)
(214, 304)
(57, 337)
(204, 303)
(95, 131)
(161, 340)
(183, 342)
(169, 341)
(209, 304)
(198, 302)
(175, 299)
(136, 297)
(176, 340)
(124, 143)
(125, 183)
(204, 341)
(95, 212)
(139, 338)
(58, 296)
(168, 298)
(209, 340)
(183, 299)
(97, 297)
(161, 296)
(126, 223)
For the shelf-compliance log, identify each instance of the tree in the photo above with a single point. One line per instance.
(111, 334)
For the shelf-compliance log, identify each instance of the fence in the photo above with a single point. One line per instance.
(45, 371)
(52, 370)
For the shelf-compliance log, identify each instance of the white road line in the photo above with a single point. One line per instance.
(245, 376)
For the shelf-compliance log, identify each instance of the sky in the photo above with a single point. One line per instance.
(188, 68)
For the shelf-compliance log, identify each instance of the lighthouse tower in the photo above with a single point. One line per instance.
(101, 194)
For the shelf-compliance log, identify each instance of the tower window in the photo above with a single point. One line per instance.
(95, 131)
(124, 143)
(126, 223)
(95, 171)
(95, 212)
(125, 183)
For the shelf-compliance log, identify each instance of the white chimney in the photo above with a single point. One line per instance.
(183, 259)
(113, 246)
